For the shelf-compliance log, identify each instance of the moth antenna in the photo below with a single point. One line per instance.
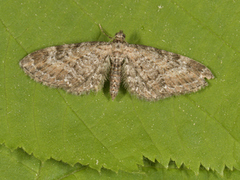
(104, 32)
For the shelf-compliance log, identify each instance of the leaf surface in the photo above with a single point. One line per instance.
(196, 129)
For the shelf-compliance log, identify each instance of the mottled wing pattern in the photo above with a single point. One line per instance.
(77, 68)
(153, 74)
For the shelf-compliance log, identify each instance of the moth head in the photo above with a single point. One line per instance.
(119, 37)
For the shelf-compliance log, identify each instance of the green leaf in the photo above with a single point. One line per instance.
(20, 165)
(196, 129)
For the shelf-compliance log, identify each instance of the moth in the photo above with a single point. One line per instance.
(147, 72)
